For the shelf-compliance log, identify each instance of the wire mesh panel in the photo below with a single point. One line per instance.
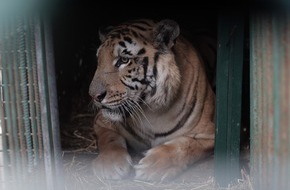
(30, 156)
(1, 156)
(18, 104)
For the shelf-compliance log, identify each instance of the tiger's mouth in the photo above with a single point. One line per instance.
(115, 114)
(111, 110)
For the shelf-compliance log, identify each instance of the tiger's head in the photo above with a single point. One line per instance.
(136, 68)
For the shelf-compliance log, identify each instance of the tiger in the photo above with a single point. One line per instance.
(152, 95)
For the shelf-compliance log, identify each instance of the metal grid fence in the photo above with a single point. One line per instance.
(29, 140)
(20, 113)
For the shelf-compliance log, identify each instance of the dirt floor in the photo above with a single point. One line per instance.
(79, 149)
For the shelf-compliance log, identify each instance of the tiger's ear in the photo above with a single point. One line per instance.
(165, 34)
(103, 31)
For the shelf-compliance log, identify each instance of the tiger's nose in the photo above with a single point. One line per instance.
(100, 97)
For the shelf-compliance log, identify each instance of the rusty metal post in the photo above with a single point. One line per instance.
(270, 100)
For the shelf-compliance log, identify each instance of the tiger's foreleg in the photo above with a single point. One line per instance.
(113, 161)
(166, 161)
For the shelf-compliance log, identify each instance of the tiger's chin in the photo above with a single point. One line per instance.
(113, 115)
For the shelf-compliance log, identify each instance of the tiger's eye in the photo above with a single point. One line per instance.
(124, 60)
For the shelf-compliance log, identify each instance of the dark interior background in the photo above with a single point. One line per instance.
(75, 25)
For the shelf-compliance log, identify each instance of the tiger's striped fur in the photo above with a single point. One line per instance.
(154, 95)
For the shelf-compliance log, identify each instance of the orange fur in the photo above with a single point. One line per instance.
(174, 123)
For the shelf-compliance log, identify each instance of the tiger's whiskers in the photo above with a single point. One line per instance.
(138, 110)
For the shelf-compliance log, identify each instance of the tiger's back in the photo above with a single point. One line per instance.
(153, 94)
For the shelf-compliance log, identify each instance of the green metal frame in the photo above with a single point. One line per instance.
(229, 96)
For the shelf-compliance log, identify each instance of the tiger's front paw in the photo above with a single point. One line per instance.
(159, 164)
(112, 165)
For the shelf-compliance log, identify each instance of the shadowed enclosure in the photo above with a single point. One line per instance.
(47, 64)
